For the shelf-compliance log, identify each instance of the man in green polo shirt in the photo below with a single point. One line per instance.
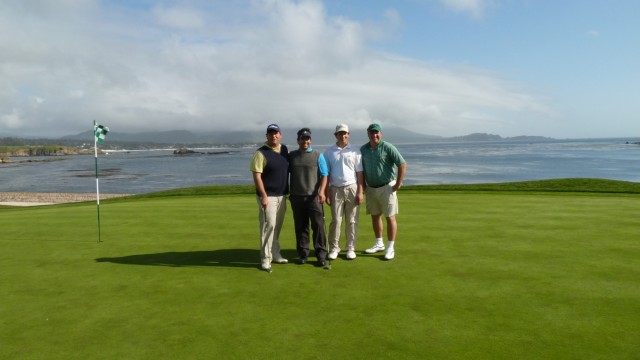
(380, 160)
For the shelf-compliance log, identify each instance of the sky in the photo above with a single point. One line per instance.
(555, 68)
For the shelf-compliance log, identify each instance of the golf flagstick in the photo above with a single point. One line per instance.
(99, 133)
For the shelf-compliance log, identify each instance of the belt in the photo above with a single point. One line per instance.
(375, 187)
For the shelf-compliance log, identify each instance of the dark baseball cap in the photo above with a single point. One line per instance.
(273, 127)
(304, 133)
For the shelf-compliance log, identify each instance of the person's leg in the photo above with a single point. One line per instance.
(392, 228)
(392, 225)
(374, 208)
(301, 225)
(376, 222)
(392, 231)
(316, 215)
(281, 210)
(268, 221)
(352, 213)
(337, 206)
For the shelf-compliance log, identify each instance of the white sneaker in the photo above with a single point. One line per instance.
(375, 248)
(280, 260)
(334, 254)
(351, 254)
(390, 254)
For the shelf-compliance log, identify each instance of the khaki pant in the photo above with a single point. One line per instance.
(343, 203)
(271, 221)
(382, 200)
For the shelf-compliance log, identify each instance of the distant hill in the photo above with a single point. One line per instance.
(493, 137)
(180, 137)
(183, 138)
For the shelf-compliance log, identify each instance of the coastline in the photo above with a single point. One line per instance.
(37, 199)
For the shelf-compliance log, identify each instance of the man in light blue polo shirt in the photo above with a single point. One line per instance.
(380, 160)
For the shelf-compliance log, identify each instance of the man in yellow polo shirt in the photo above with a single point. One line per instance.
(270, 169)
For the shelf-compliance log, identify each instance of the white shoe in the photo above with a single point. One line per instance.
(390, 254)
(280, 260)
(375, 248)
(351, 255)
(334, 254)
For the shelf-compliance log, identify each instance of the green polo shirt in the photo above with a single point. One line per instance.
(380, 164)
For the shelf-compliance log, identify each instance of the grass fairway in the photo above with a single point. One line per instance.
(491, 274)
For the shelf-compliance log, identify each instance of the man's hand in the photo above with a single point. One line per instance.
(264, 200)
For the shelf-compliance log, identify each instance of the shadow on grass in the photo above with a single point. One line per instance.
(244, 258)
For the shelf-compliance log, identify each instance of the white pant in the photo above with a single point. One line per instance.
(343, 203)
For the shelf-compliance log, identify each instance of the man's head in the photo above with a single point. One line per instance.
(304, 139)
(342, 134)
(374, 132)
(273, 128)
(374, 127)
(273, 134)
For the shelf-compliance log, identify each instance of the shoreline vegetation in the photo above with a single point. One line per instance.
(569, 185)
(52, 198)
(55, 151)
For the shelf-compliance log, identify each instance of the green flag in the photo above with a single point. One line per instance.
(101, 133)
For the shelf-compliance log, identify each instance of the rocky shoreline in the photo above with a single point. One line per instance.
(51, 198)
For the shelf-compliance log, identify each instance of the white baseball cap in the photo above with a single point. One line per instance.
(342, 127)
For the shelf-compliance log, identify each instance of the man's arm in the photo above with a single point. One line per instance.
(360, 190)
(322, 189)
(402, 169)
(327, 195)
(257, 180)
(324, 173)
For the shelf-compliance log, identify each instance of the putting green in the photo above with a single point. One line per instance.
(476, 275)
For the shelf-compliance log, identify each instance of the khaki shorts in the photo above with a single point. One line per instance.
(382, 200)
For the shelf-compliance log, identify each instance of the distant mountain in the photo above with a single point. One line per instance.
(179, 137)
(359, 136)
(477, 137)
(493, 137)
(183, 138)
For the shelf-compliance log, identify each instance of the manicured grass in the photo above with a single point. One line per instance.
(478, 275)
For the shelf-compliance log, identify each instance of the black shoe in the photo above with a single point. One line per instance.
(302, 261)
(322, 263)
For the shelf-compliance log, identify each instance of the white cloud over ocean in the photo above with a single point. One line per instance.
(207, 65)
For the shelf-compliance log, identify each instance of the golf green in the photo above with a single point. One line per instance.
(477, 275)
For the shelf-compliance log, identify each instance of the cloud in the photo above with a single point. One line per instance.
(11, 120)
(195, 67)
(178, 17)
(474, 7)
(593, 33)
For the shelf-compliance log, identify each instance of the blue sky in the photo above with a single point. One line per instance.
(564, 69)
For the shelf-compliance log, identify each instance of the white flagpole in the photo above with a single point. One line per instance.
(95, 147)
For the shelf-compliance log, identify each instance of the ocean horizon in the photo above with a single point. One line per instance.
(144, 171)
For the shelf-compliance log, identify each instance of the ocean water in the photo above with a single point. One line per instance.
(136, 172)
